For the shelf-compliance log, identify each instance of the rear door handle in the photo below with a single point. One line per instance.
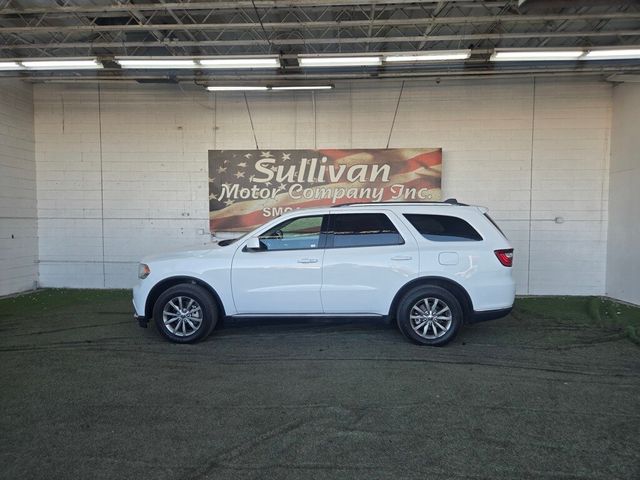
(401, 257)
(308, 260)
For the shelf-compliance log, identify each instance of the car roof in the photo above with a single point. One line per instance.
(448, 201)
(350, 207)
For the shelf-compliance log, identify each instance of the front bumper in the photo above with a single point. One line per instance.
(139, 298)
(142, 320)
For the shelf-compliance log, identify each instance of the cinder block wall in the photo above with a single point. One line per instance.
(18, 225)
(122, 169)
(623, 268)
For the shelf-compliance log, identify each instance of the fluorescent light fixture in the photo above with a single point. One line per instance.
(339, 61)
(192, 63)
(10, 66)
(155, 63)
(71, 64)
(612, 54)
(234, 88)
(435, 56)
(240, 88)
(535, 55)
(303, 87)
(240, 62)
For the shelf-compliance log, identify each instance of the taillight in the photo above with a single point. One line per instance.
(505, 256)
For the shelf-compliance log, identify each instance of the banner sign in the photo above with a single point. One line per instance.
(249, 187)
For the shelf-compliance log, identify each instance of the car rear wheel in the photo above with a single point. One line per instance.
(429, 315)
(185, 313)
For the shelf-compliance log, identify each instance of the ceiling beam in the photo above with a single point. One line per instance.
(309, 41)
(124, 7)
(427, 21)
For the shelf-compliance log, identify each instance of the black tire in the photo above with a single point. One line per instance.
(433, 325)
(184, 326)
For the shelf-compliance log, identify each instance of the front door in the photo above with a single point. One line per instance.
(285, 275)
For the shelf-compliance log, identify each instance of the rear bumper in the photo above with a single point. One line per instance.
(490, 315)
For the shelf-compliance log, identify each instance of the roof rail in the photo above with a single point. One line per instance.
(448, 201)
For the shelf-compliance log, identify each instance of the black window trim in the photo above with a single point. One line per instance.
(404, 215)
(488, 217)
(330, 236)
(322, 240)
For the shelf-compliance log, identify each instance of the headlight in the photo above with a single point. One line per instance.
(143, 270)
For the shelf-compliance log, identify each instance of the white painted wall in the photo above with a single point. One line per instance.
(623, 269)
(18, 227)
(122, 169)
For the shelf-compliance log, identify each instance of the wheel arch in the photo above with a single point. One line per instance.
(454, 287)
(166, 283)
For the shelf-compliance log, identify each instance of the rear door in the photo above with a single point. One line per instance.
(452, 245)
(368, 257)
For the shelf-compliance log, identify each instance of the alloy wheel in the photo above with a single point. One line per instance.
(182, 316)
(430, 318)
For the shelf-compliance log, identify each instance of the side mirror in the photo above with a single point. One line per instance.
(254, 244)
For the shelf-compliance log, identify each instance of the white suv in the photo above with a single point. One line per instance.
(429, 266)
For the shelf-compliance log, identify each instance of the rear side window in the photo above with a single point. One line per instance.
(442, 228)
(363, 230)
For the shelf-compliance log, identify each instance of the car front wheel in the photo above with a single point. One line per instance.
(185, 313)
(429, 315)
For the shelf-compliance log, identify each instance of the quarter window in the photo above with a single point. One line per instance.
(442, 228)
(363, 230)
(300, 233)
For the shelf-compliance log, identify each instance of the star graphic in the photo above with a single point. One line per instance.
(286, 156)
(282, 186)
(239, 174)
(222, 169)
(226, 161)
(228, 202)
(242, 165)
(212, 197)
(266, 154)
(248, 155)
(212, 179)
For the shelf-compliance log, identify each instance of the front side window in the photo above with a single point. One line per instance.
(363, 230)
(296, 234)
(443, 228)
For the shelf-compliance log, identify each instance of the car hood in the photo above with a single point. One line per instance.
(194, 252)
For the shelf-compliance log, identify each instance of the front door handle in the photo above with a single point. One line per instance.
(401, 257)
(308, 260)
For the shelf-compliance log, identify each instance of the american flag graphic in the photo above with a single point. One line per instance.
(249, 187)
